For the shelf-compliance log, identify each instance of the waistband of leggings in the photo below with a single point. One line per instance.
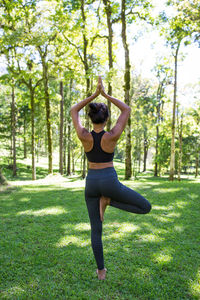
(101, 173)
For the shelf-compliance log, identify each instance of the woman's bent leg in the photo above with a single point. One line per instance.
(96, 229)
(125, 198)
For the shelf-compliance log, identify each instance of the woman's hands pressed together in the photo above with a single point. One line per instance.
(100, 84)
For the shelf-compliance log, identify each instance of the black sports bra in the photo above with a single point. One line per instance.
(97, 154)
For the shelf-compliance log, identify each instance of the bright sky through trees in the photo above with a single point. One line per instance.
(151, 47)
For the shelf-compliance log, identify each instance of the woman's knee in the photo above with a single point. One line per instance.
(147, 208)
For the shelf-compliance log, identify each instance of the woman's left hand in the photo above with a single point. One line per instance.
(98, 89)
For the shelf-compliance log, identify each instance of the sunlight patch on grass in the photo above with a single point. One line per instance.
(82, 227)
(158, 207)
(151, 238)
(163, 258)
(195, 286)
(168, 190)
(55, 210)
(163, 219)
(174, 215)
(15, 291)
(178, 228)
(71, 239)
(122, 229)
(193, 196)
(24, 199)
(181, 204)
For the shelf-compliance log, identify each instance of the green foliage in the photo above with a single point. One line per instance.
(163, 157)
(59, 30)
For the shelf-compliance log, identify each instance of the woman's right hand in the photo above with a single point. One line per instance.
(102, 87)
(98, 89)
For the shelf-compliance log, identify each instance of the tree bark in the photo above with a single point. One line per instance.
(65, 138)
(86, 67)
(158, 111)
(61, 129)
(32, 130)
(180, 149)
(69, 131)
(156, 163)
(145, 154)
(128, 168)
(69, 149)
(73, 161)
(108, 11)
(172, 158)
(25, 146)
(197, 164)
(13, 113)
(48, 109)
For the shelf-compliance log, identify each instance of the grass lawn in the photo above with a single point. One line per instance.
(46, 253)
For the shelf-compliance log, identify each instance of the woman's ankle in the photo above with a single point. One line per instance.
(101, 274)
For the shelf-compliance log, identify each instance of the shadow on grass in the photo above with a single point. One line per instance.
(45, 244)
(24, 172)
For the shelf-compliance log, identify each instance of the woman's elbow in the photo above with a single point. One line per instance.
(128, 109)
(72, 110)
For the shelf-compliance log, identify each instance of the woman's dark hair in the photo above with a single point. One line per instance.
(98, 112)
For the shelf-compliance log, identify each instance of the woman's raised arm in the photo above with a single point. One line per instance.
(81, 131)
(117, 130)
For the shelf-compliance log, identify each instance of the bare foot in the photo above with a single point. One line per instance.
(104, 201)
(101, 274)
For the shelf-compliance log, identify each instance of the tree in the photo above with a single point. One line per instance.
(109, 7)
(163, 74)
(127, 76)
(61, 128)
(181, 27)
(180, 137)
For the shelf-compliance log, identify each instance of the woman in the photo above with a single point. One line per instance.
(102, 185)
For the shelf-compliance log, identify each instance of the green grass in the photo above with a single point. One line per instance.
(46, 253)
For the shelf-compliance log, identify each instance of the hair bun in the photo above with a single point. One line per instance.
(98, 112)
(94, 107)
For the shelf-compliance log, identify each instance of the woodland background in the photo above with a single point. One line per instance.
(51, 54)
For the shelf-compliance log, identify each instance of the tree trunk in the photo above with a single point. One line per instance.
(86, 67)
(61, 129)
(108, 10)
(69, 132)
(25, 147)
(197, 164)
(158, 108)
(73, 161)
(145, 154)
(65, 141)
(156, 163)
(13, 113)
(48, 110)
(172, 158)
(69, 149)
(180, 135)
(33, 131)
(128, 167)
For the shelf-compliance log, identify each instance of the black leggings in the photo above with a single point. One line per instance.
(104, 182)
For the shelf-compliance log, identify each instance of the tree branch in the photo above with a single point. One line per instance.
(98, 36)
(131, 12)
(77, 48)
(116, 19)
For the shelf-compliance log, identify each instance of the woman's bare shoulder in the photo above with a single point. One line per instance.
(108, 143)
(87, 140)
